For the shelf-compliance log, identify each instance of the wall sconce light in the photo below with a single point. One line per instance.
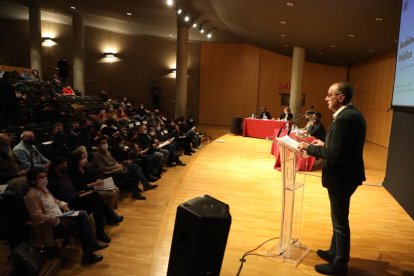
(48, 42)
(110, 57)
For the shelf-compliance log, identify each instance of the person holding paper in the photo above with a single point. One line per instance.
(62, 187)
(43, 207)
(85, 181)
(342, 171)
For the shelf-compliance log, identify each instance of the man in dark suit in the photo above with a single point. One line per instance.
(342, 171)
(286, 115)
(264, 114)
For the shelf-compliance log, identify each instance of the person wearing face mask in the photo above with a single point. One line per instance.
(145, 142)
(63, 188)
(43, 207)
(73, 138)
(163, 135)
(85, 181)
(8, 165)
(104, 164)
(26, 153)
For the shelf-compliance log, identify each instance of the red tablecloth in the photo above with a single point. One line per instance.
(302, 164)
(258, 128)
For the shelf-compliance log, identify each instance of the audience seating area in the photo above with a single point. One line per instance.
(73, 140)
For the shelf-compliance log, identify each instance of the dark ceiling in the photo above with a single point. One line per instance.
(334, 32)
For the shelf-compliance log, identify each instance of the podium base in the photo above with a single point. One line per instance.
(293, 253)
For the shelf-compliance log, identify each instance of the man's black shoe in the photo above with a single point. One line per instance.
(324, 255)
(139, 196)
(99, 246)
(103, 237)
(115, 221)
(330, 269)
(180, 163)
(91, 258)
(150, 187)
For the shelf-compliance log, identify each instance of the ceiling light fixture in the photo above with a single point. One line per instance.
(128, 13)
(283, 35)
(194, 25)
(283, 22)
(179, 11)
(201, 29)
(289, 4)
(209, 35)
(333, 46)
(170, 2)
(187, 18)
(351, 35)
(73, 7)
(379, 19)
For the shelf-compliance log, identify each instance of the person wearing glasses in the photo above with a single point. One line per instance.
(342, 171)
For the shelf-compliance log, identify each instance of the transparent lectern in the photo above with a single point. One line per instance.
(293, 182)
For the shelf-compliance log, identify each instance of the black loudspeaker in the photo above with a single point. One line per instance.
(200, 235)
(236, 125)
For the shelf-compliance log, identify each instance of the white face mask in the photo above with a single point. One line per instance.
(42, 182)
(104, 146)
(83, 162)
(152, 133)
(158, 128)
(121, 145)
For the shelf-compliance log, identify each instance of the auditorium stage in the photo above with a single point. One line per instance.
(239, 171)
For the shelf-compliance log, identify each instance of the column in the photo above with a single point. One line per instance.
(182, 67)
(298, 61)
(35, 38)
(78, 54)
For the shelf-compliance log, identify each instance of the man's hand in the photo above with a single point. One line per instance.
(65, 208)
(303, 146)
(318, 143)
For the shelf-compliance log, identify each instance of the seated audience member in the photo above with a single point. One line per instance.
(286, 115)
(73, 138)
(44, 208)
(171, 146)
(103, 95)
(35, 75)
(8, 165)
(308, 117)
(264, 114)
(59, 146)
(85, 181)
(183, 136)
(68, 91)
(121, 114)
(62, 188)
(317, 129)
(103, 116)
(27, 154)
(145, 142)
(104, 164)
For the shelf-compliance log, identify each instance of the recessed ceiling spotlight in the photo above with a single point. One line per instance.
(333, 46)
(283, 35)
(194, 25)
(289, 4)
(128, 13)
(379, 19)
(73, 7)
(202, 30)
(187, 18)
(209, 35)
(170, 35)
(179, 11)
(351, 35)
(170, 2)
(283, 22)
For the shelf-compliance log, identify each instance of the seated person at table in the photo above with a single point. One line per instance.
(286, 115)
(308, 117)
(316, 129)
(264, 114)
(44, 208)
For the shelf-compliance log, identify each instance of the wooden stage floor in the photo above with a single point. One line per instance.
(239, 171)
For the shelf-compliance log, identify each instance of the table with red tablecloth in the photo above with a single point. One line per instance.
(259, 128)
(303, 164)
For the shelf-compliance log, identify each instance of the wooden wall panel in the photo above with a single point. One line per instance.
(228, 82)
(275, 70)
(316, 81)
(374, 80)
